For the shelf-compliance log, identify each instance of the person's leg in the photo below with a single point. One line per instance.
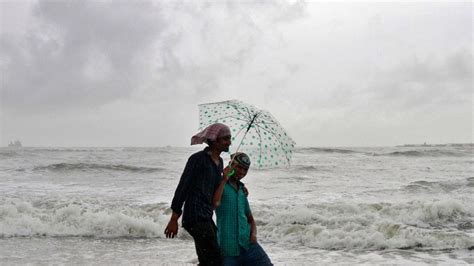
(255, 255)
(205, 240)
(231, 261)
(191, 231)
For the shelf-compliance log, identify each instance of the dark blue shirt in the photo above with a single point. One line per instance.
(196, 188)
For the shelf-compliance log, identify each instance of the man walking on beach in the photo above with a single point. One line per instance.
(195, 190)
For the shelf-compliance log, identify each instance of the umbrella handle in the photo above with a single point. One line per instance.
(238, 147)
(232, 173)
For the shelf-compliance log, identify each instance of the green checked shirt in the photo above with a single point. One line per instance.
(233, 227)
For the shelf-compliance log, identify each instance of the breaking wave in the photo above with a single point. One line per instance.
(20, 218)
(92, 166)
(414, 225)
(434, 225)
(426, 153)
(444, 186)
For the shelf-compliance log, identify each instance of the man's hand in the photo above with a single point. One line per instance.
(226, 172)
(172, 229)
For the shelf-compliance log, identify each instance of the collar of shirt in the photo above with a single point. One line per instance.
(240, 185)
(208, 152)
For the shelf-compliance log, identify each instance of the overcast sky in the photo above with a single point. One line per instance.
(131, 73)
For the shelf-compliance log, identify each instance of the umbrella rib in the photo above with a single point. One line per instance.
(250, 116)
(237, 118)
(230, 116)
(238, 110)
(248, 112)
(240, 130)
(273, 132)
(246, 108)
(260, 149)
(281, 144)
(268, 123)
(265, 121)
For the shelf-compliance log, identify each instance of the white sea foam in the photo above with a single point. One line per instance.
(434, 225)
(19, 218)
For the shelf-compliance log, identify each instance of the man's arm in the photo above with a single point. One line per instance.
(251, 221)
(172, 227)
(180, 196)
(253, 228)
(246, 191)
(216, 200)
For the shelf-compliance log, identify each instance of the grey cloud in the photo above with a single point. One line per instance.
(214, 42)
(88, 53)
(430, 83)
(426, 83)
(79, 52)
(86, 70)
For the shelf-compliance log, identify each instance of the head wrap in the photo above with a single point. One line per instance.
(211, 132)
(241, 158)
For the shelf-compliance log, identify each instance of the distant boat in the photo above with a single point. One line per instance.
(16, 144)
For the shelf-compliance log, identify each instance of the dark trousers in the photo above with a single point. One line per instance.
(254, 256)
(205, 240)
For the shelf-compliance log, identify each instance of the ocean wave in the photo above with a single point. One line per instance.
(437, 225)
(8, 153)
(79, 219)
(94, 166)
(310, 168)
(36, 150)
(414, 225)
(426, 153)
(325, 150)
(96, 149)
(437, 186)
(470, 181)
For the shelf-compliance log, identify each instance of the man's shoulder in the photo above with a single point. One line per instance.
(198, 154)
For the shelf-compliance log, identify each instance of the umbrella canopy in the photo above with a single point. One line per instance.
(254, 131)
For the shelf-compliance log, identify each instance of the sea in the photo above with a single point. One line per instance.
(408, 205)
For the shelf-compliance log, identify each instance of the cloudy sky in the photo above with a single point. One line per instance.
(131, 73)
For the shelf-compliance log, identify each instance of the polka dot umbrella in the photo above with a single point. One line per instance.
(256, 132)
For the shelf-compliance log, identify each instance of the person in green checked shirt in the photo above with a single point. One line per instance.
(237, 232)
